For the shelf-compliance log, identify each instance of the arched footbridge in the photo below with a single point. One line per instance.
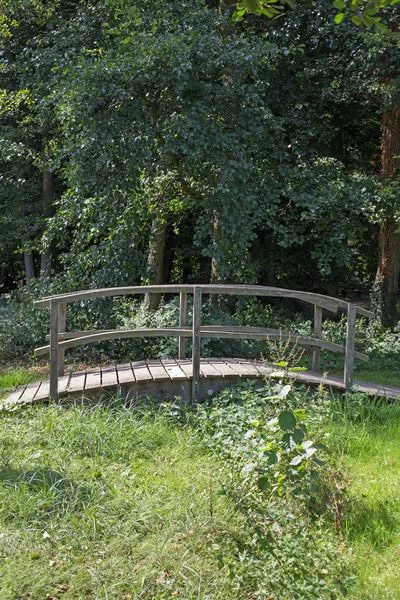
(194, 377)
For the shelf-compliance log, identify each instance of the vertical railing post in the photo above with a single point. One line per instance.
(316, 361)
(62, 321)
(182, 322)
(196, 337)
(54, 336)
(350, 342)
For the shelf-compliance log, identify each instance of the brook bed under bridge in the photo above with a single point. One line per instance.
(193, 377)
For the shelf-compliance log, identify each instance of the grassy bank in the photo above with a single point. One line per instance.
(105, 503)
(115, 502)
(236, 501)
(366, 438)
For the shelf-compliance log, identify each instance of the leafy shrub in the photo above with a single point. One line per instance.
(272, 469)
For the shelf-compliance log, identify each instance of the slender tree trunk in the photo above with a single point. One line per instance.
(169, 253)
(29, 266)
(155, 261)
(386, 286)
(48, 201)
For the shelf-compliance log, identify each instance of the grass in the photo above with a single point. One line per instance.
(13, 377)
(105, 503)
(367, 436)
(382, 376)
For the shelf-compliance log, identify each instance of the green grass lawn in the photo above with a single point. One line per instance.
(103, 502)
(97, 503)
(368, 437)
(382, 376)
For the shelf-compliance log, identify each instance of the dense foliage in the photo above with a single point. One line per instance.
(168, 142)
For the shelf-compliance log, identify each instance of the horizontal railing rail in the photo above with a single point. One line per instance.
(61, 340)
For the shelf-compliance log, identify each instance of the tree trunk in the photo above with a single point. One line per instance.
(29, 266)
(48, 212)
(386, 286)
(169, 254)
(155, 261)
(385, 290)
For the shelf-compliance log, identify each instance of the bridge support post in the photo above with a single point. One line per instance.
(350, 342)
(54, 357)
(196, 343)
(62, 320)
(316, 361)
(182, 322)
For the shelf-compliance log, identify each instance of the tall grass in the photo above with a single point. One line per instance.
(104, 503)
(366, 436)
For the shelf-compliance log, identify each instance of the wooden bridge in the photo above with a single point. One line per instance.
(192, 377)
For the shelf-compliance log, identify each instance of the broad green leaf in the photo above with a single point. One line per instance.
(339, 4)
(339, 18)
(297, 460)
(287, 420)
(357, 20)
(251, 5)
(298, 435)
(273, 458)
(284, 391)
(263, 484)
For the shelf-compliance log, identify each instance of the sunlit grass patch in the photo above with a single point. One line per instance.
(368, 434)
(99, 502)
(13, 377)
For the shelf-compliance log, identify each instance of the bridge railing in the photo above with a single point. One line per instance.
(61, 340)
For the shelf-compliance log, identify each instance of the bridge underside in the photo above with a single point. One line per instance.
(168, 378)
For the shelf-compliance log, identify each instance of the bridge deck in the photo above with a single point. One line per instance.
(165, 378)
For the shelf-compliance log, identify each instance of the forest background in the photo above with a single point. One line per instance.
(180, 142)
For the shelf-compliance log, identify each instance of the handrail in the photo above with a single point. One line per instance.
(61, 340)
(327, 302)
(72, 339)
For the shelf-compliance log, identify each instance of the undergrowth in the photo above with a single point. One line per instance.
(153, 501)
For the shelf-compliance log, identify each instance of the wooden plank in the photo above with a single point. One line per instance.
(250, 366)
(350, 342)
(15, 396)
(141, 372)
(224, 369)
(63, 383)
(182, 322)
(93, 379)
(264, 369)
(316, 361)
(76, 382)
(44, 391)
(173, 369)
(157, 370)
(208, 370)
(31, 391)
(240, 368)
(186, 367)
(109, 377)
(326, 302)
(212, 331)
(196, 337)
(125, 373)
(119, 291)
